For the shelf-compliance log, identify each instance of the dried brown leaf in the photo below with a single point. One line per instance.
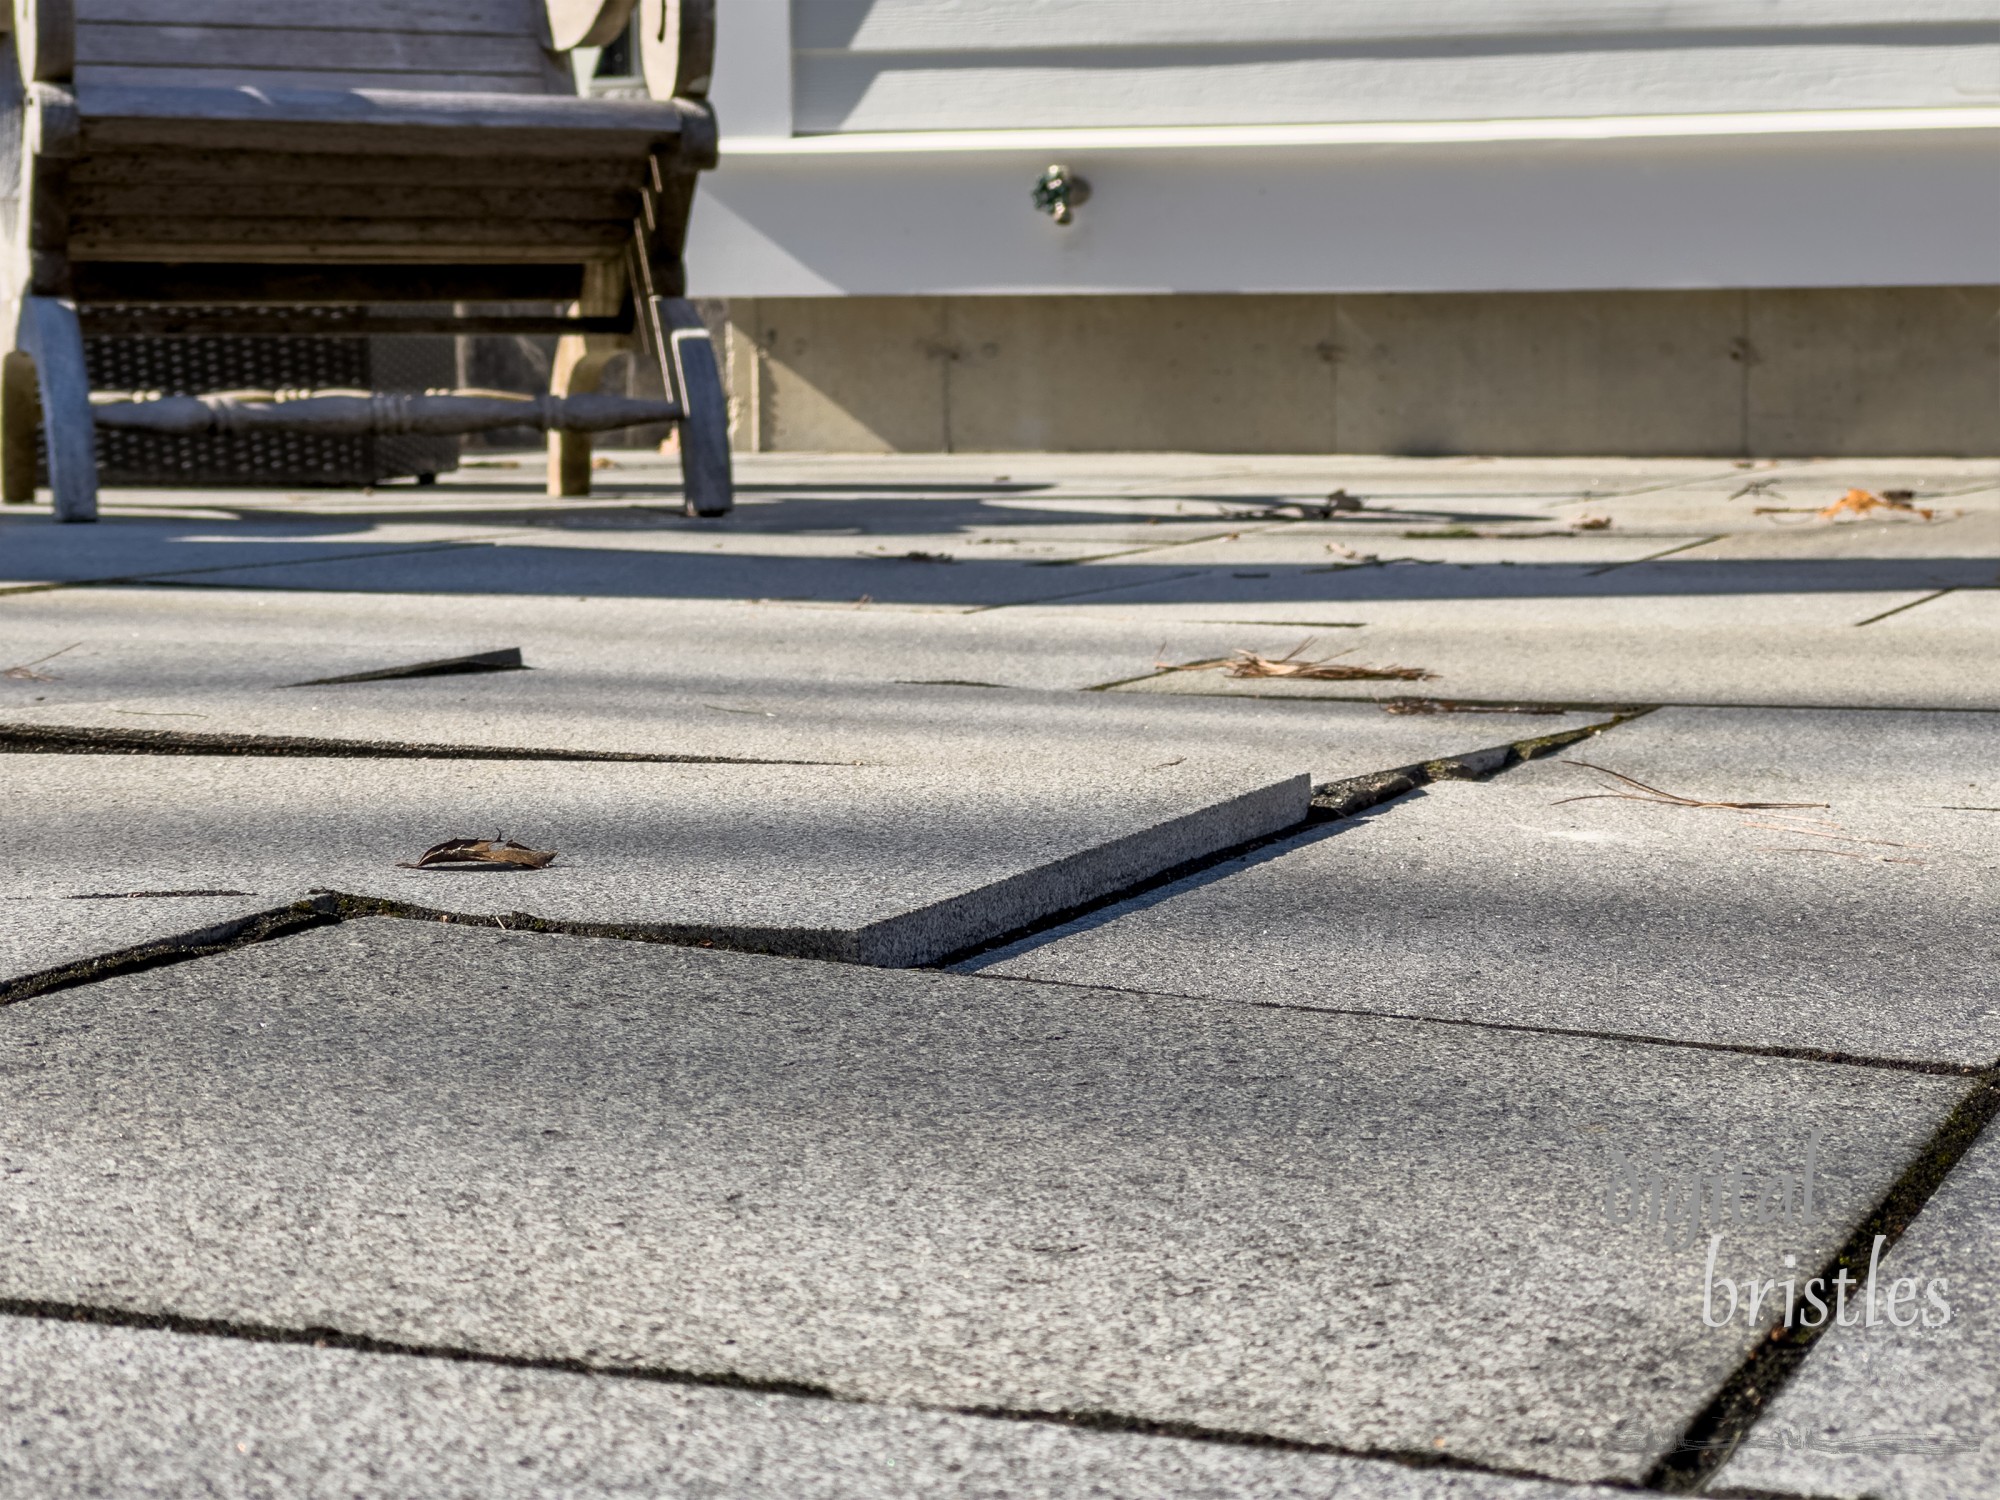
(1859, 502)
(480, 852)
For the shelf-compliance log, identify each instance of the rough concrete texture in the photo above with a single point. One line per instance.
(1867, 371)
(1806, 650)
(105, 1410)
(1901, 1413)
(916, 1188)
(609, 679)
(41, 938)
(1859, 928)
(872, 864)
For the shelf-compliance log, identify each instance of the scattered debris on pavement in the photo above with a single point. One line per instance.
(1641, 792)
(1861, 502)
(493, 851)
(1294, 663)
(26, 671)
(1591, 523)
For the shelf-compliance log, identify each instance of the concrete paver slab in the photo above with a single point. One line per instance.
(35, 551)
(1806, 650)
(917, 1188)
(1859, 929)
(885, 865)
(108, 1410)
(1902, 1409)
(813, 685)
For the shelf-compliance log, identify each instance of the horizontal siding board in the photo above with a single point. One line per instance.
(518, 18)
(892, 26)
(1276, 85)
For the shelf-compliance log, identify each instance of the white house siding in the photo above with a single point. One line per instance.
(919, 65)
(1280, 149)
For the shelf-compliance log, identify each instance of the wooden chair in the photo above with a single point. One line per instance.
(269, 156)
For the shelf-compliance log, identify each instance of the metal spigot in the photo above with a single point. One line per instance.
(1059, 192)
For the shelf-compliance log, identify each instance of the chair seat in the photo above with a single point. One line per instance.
(119, 116)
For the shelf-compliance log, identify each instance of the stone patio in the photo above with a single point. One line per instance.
(970, 1043)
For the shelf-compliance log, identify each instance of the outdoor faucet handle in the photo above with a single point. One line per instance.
(1059, 192)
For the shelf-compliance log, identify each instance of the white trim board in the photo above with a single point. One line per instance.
(1830, 199)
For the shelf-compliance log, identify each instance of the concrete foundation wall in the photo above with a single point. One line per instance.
(1875, 371)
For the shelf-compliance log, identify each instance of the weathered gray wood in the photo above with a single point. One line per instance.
(345, 239)
(579, 367)
(188, 50)
(48, 333)
(446, 17)
(246, 153)
(166, 322)
(360, 120)
(307, 199)
(349, 414)
(587, 23)
(677, 47)
(20, 425)
(253, 173)
(694, 378)
(45, 39)
(237, 282)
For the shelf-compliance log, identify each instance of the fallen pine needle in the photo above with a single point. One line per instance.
(1645, 793)
(1844, 838)
(480, 852)
(26, 671)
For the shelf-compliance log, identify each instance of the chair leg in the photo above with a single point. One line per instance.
(50, 334)
(694, 377)
(579, 368)
(20, 426)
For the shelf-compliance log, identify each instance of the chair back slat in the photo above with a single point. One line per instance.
(458, 46)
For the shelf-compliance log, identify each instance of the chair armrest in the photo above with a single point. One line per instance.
(45, 39)
(586, 23)
(677, 47)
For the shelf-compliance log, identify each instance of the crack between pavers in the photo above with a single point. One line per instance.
(1739, 1049)
(1713, 1436)
(221, 937)
(1634, 562)
(1331, 802)
(48, 1311)
(59, 739)
(1912, 604)
(1108, 588)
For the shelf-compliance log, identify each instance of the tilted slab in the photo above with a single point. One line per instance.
(108, 1410)
(917, 1188)
(1901, 1412)
(1859, 929)
(43, 940)
(874, 864)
